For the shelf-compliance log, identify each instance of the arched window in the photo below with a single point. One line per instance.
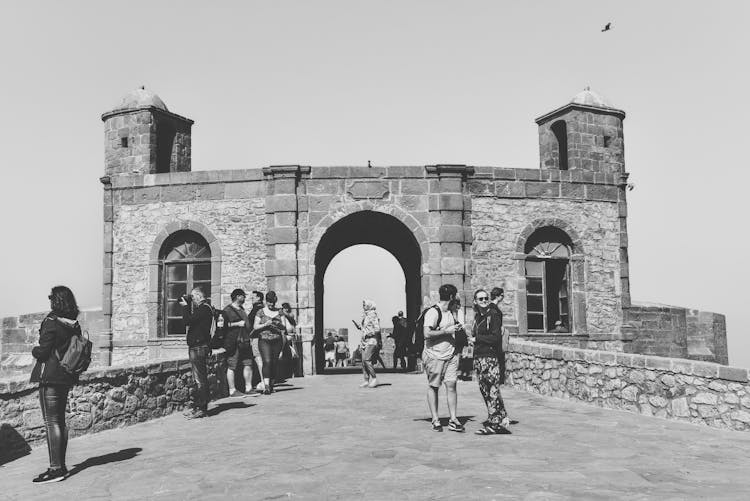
(547, 280)
(561, 134)
(185, 263)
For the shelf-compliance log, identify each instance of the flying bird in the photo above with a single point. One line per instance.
(607, 27)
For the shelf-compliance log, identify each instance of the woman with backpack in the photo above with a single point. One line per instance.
(487, 336)
(272, 327)
(237, 342)
(55, 333)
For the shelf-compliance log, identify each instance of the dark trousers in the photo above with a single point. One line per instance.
(270, 349)
(53, 400)
(199, 363)
(490, 378)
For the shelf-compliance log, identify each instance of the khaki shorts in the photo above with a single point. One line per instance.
(440, 371)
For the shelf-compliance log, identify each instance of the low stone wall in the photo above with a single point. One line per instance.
(106, 398)
(698, 392)
(20, 333)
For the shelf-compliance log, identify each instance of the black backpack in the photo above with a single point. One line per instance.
(419, 327)
(77, 358)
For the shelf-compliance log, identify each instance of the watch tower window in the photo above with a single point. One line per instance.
(560, 130)
(185, 263)
(547, 280)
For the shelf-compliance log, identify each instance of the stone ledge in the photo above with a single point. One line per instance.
(632, 360)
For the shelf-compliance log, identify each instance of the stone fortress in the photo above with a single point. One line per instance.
(554, 237)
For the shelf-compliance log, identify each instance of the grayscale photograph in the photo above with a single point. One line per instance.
(360, 250)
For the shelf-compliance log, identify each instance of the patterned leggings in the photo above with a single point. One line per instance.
(490, 378)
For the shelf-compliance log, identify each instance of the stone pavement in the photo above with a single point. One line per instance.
(324, 438)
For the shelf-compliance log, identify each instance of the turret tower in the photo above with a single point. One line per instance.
(585, 134)
(142, 136)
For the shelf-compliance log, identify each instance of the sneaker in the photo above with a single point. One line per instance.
(365, 384)
(51, 475)
(436, 426)
(236, 394)
(456, 426)
(197, 414)
(373, 383)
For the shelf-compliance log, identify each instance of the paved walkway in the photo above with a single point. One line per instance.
(325, 438)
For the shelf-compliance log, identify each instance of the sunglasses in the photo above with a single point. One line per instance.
(483, 298)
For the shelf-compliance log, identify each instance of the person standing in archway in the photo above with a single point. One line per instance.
(400, 334)
(370, 327)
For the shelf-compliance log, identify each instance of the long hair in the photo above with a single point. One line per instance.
(63, 302)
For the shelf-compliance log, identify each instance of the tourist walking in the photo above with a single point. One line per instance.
(487, 338)
(54, 383)
(342, 352)
(440, 357)
(272, 328)
(198, 316)
(369, 346)
(237, 342)
(257, 298)
(399, 334)
(496, 298)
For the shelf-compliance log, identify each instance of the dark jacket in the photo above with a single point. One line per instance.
(231, 315)
(198, 322)
(488, 331)
(54, 339)
(251, 318)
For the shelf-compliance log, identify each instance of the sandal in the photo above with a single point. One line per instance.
(487, 430)
(456, 426)
(436, 426)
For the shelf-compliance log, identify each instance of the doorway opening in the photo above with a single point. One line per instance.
(366, 229)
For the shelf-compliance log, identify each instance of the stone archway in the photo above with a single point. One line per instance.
(375, 228)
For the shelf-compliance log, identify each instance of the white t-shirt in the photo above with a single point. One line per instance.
(441, 347)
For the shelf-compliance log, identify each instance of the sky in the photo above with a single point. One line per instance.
(394, 82)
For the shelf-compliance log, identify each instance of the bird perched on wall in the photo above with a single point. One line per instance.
(607, 27)
(369, 164)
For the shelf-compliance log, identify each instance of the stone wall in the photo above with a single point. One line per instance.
(235, 224)
(693, 391)
(497, 225)
(105, 398)
(19, 334)
(672, 331)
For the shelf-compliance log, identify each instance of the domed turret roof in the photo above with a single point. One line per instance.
(141, 98)
(590, 98)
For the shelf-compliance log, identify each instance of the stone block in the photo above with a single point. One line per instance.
(601, 193)
(243, 190)
(282, 203)
(413, 203)
(733, 374)
(10, 335)
(286, 235)
(177, 193)
(451, 234)
(680, 407)
(572, 191)
(510, 189)
(542, 190)
(450, 201)
(705, 398)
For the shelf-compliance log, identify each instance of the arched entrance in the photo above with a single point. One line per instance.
(375, 228)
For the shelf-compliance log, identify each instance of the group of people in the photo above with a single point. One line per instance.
(446, 333)
(242, 339)
(259, 337)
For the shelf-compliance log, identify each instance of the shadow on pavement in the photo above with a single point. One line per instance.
(444, 420)
(225, 406)
(112, 457)
(276, 389)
